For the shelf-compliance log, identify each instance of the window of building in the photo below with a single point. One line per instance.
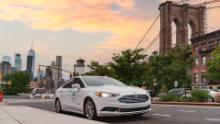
(196, 60)
(204, 60)
(196, 77)
(196, 50)
(203, 78)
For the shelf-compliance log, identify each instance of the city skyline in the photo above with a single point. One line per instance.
(74, 30)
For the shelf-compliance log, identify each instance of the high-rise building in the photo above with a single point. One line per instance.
(6, 59)
(18, 62)
(49, 80)
(31, 62)
(5, 68)
(59, 66)
(40, 74)
(56, 71)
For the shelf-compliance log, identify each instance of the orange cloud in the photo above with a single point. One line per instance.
(86, 16)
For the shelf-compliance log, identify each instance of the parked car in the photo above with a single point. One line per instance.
(212, 95)
(179, 92)
(38, 91)
(217, 97)
(98, 96)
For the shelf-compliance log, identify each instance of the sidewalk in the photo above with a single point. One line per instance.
(28, 115)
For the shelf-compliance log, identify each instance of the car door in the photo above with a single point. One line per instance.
(65, 94)
(77, 95)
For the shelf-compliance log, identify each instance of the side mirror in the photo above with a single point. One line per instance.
(76, 86)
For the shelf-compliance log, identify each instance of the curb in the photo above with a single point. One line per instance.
(188, 103)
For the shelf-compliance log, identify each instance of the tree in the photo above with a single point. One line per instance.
(18, 82)
(129, 66)
(101, 70)
(213, 71)
(170, 67)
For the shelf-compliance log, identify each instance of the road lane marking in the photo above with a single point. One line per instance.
(163, 115)
(186, 111)
(212, 119)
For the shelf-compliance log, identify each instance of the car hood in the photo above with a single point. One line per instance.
(121, 89)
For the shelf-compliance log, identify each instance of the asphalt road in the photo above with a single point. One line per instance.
(161, 114)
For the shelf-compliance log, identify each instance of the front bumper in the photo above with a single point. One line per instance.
(115, 108)
(121, 113)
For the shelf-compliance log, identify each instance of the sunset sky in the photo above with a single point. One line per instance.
(89, 29)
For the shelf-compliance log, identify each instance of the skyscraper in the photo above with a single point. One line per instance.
(59, 65)
(40, 74)
(31, 62)
(6, 59)
(5, 68)
(57, 72)
(18, 62)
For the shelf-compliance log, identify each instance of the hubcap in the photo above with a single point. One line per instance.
(89, 110)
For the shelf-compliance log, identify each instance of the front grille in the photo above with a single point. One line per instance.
(134, 109)
(114, 109)
(134, 99)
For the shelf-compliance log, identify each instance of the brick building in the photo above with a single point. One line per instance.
(202, 47)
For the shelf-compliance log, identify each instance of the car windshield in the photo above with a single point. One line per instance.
(101, 81)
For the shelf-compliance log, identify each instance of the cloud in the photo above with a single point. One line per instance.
(121, 18)
(91, 16)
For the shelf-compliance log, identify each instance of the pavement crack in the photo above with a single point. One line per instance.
(12, 116)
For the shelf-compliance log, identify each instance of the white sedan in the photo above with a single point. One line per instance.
(98, 96)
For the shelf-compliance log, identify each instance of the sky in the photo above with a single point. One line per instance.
(88, 29)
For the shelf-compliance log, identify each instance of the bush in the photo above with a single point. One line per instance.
(19, 83)
(186, 99)
(169, 98)
(200, 95)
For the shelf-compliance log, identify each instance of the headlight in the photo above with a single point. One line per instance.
(104, 94)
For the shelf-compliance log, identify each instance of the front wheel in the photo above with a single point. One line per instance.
(90, 110)
(58, 106)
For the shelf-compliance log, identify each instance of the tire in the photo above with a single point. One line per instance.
(210, 99)
(90, 109)
(58, 107)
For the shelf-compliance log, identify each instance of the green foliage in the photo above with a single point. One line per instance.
(101, 70)
(200, 95)
(185, 99)
(19, 83)
(214, 65)
(133, 67)
(169, 98)
(171, 67)
(129, 66)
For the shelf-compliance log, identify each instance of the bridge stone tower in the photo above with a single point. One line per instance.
(181, 15)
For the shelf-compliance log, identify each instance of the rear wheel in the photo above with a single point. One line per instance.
(58, 106)
(90, 109)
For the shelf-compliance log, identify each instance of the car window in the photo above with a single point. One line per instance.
(78, 81)
(101, 81)
(68, 85)
(175, 91)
